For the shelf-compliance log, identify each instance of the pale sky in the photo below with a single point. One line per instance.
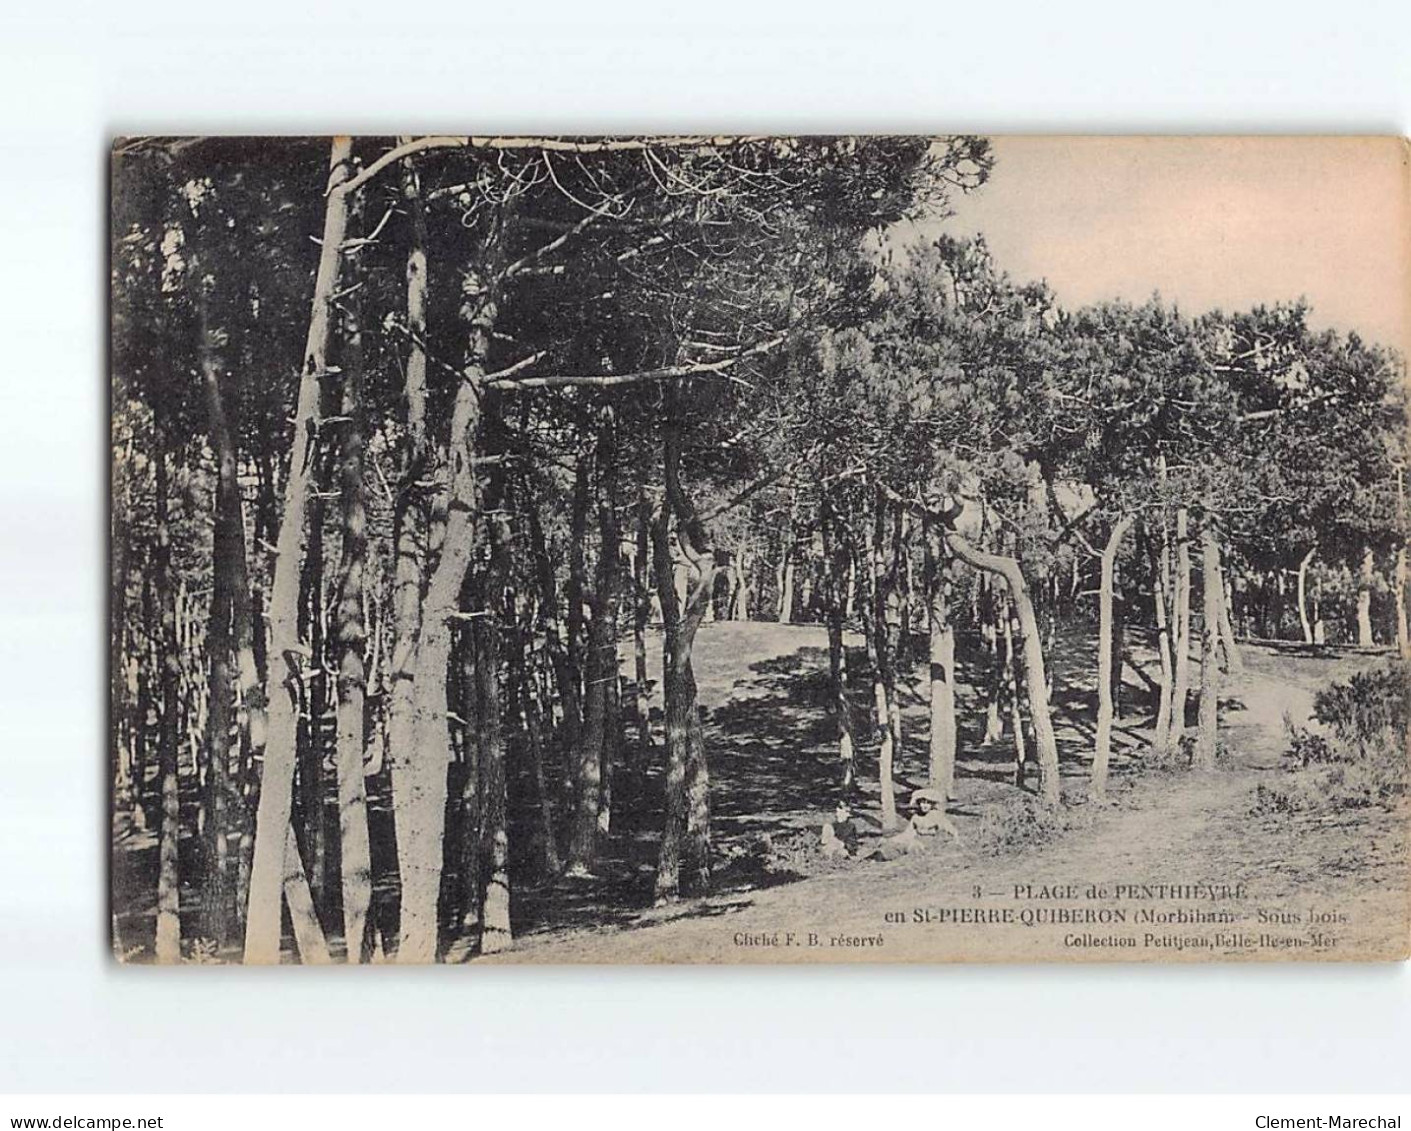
(1208, 222)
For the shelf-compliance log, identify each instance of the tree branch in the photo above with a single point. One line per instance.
(549, 248)
(757, 486)
(505, 382)
(547, 144)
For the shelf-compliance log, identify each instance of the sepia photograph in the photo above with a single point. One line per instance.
(765, 548)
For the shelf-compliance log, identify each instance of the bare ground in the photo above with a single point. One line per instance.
(773, 766)
(1326, 887)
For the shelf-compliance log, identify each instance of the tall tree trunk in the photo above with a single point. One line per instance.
(882, 721)
(683, 866)
(942, 657)
(1234, 659)
(310, 779)
(1303, 620)
(995, 665)
(1119, 644)
(785, 573)
(308, 933)
(267, 871)
(695, 855)
(1204, 757)
(124, 730)
(574, 591)
(1102, 749)
(641, 614)
(420, 766)
(217, 897)
(248, 632)
(218, 905)
(168, 860)
(418, 282)
(898, 622)
(121, 658)
(1161, 592)
(465, 837)
(1034, 679)
(882, 679)
(905, 573)
(668, 873)
(786, 586)
(570, 700)
(740, 590)
(495, 932)
(1181, 688)
(1050, 638)
(411, 520)
(522, 688)
(601, 667)
(612, 736)
(149, 662)
(1365, 638)
(354, 847)
(835, 555)
(1403, 637)
(1012, 676)
(841, 708)
(609, 597)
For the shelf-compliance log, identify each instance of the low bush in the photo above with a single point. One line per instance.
(1367, 711)
(1026, 821)
(1181, 755)
(1356, 757)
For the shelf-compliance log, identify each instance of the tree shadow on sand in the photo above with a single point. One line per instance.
(775, 772)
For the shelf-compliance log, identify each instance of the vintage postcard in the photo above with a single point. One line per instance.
(759, 549)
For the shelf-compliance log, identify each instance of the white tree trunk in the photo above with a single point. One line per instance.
(422, 742)
(1403, 639)
(786, 587)
(1162, 734)
(1034, 679)
(989, 635)
(1365, 639)
(1204, 757)
(268, 866)
(942, 657)
(1303, 620)
(1102, 750)
(1182, 628)
(1234, 660)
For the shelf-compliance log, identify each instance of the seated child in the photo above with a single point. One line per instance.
(928, 819)
(838, 836)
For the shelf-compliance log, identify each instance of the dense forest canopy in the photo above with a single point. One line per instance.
(420, 445)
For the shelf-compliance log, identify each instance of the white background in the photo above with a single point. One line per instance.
(73, 75)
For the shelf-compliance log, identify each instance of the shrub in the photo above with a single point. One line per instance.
(1359, 760)
(1170, 757)
(1309, 748)
(1025, 821)
(1367, 710)
(1181, 755)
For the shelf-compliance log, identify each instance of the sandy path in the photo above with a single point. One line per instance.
(1281, 888)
